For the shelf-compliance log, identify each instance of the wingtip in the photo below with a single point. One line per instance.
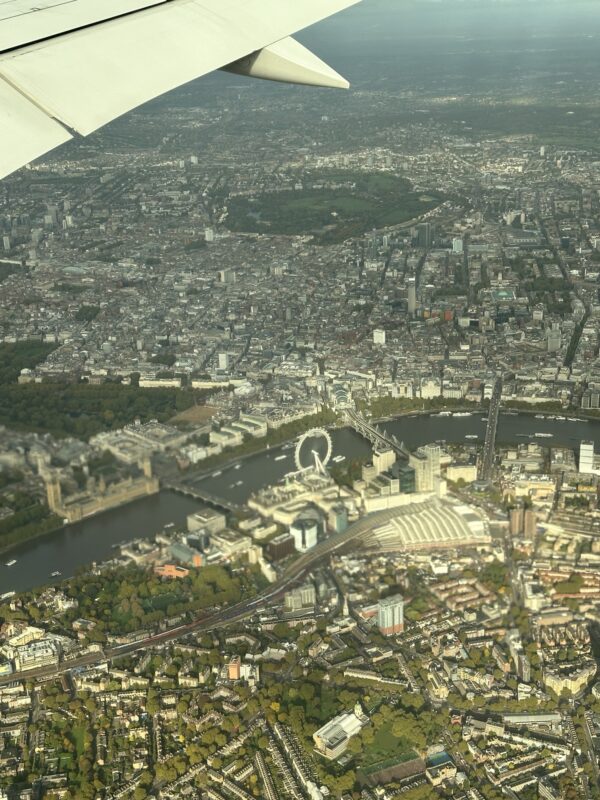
(288, 61)
(335, 82)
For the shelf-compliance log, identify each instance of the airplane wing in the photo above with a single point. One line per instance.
(71, 66)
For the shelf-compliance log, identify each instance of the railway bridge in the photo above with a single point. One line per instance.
(374, 434)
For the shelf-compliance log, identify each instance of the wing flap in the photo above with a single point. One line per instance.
(26, 132)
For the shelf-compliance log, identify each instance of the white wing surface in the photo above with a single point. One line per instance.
(73, 65)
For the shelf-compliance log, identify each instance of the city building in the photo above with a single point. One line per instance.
(412, 296)
(425, 234)
(426, 463)
(516, 520)
(186, 555)
(571, 678)
(406, 477)
(331, 741)
(390, 615)
(281, 546)
(234, 669)
(461, 472)
(207, 520)
(171, 571)
(338, 518)
(42, 653)
(432, 524)
(554, 339)
(440, 769)
(227, 276)
(303, 597)
(305, 532)
(98, 495)
(586, 458)
(530, 523)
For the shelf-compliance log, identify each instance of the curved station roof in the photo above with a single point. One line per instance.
(432, 524)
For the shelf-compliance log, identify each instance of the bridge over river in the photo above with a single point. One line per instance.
(197, 492)
(374, 434)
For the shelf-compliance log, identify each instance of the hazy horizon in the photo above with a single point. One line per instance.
(405, 38)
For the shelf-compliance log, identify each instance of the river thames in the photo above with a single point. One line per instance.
(92, 540)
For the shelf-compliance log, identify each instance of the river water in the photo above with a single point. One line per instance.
(92, 540)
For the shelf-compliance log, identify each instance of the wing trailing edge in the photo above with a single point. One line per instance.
(26, 132)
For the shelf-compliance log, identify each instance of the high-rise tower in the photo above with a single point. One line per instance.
(390, 615)
(412, 296)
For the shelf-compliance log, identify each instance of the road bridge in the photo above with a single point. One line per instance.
(191, 490)
(489, 449)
